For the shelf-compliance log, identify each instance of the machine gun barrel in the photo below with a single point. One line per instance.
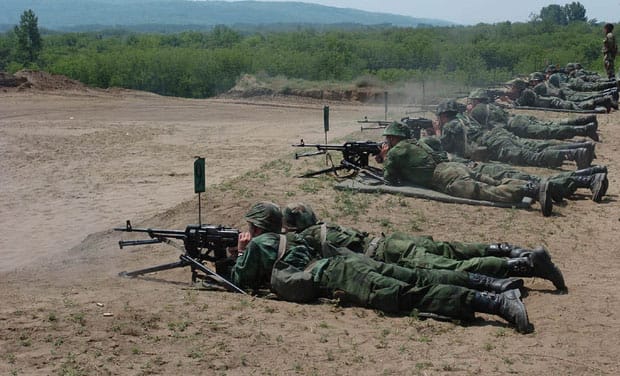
(152, 232)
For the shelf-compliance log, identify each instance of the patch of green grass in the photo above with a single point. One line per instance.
(79, 318)
(310, 186)
(350, 203)
(70, 367)
(196, 353)
(10, 358)
(178, 326)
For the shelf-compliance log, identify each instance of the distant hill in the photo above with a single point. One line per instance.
(147, 15)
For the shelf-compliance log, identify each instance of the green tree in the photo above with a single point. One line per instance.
(29, 43)
(575, 12)
(554, 14)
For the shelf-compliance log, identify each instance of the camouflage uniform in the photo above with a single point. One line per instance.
(369, 283)
(610, 49)
(460, 135)
(529, 98)
(413, 163)
(490, 116)
(410, 251)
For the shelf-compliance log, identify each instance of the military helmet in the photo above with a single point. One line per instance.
(554, 80)
(537, 76)
(397, 129)
(551, 69)
(480, 94)
(570, 67)
(447, 105)
(519, 83)
(298, 216)
(265, 215)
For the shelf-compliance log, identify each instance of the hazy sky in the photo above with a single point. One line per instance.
(474, 11)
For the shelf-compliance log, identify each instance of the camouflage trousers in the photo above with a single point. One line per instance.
(503, 146)
(392, 288)
(608, 61)
(423, 252)
(563, 183)
(530, 127)
(456, 179)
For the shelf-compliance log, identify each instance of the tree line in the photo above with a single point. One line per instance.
(200, 64)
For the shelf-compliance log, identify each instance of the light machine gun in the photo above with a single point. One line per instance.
(200, 243)
(355, 157)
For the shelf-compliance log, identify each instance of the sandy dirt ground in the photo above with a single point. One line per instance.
(76, 163)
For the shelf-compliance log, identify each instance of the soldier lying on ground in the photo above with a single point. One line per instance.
(295, 272)
(463, 136)
(490, 115)
(410, 162)
(562, 185)
(539, 83)
(500, 260)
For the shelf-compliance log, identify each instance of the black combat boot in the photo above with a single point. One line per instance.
(505, 250)
(587, 131)
(507, 305)
(597, 184)
(582, 157)
(591, 171)
(537, 264)
(483, 282)
(541, 191)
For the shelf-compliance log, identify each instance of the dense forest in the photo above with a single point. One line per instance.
(205, 63)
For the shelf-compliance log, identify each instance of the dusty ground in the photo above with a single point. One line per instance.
(76, 163)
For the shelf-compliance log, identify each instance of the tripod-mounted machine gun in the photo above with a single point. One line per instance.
(355, 158)
(201, 243)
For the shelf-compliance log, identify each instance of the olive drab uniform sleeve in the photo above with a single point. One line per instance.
(253, 268)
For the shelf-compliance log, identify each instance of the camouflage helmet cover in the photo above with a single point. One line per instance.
(570, 67)
(481, 94)
(397, 129)
(554, 80)
(537, 76)
(448, 105)
(265, 215)
(298, 216)
(519, 83)
(551, 69)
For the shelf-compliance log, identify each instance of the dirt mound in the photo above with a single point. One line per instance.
(8, 80)
(45, 81)
(248, 86)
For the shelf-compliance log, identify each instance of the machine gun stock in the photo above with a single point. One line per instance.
(201, 243)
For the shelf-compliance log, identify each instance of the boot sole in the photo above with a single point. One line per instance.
(522, 321)
(542, 257)
(545, 199)
(599, 187)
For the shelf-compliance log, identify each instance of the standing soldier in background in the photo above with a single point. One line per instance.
(610, 49)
